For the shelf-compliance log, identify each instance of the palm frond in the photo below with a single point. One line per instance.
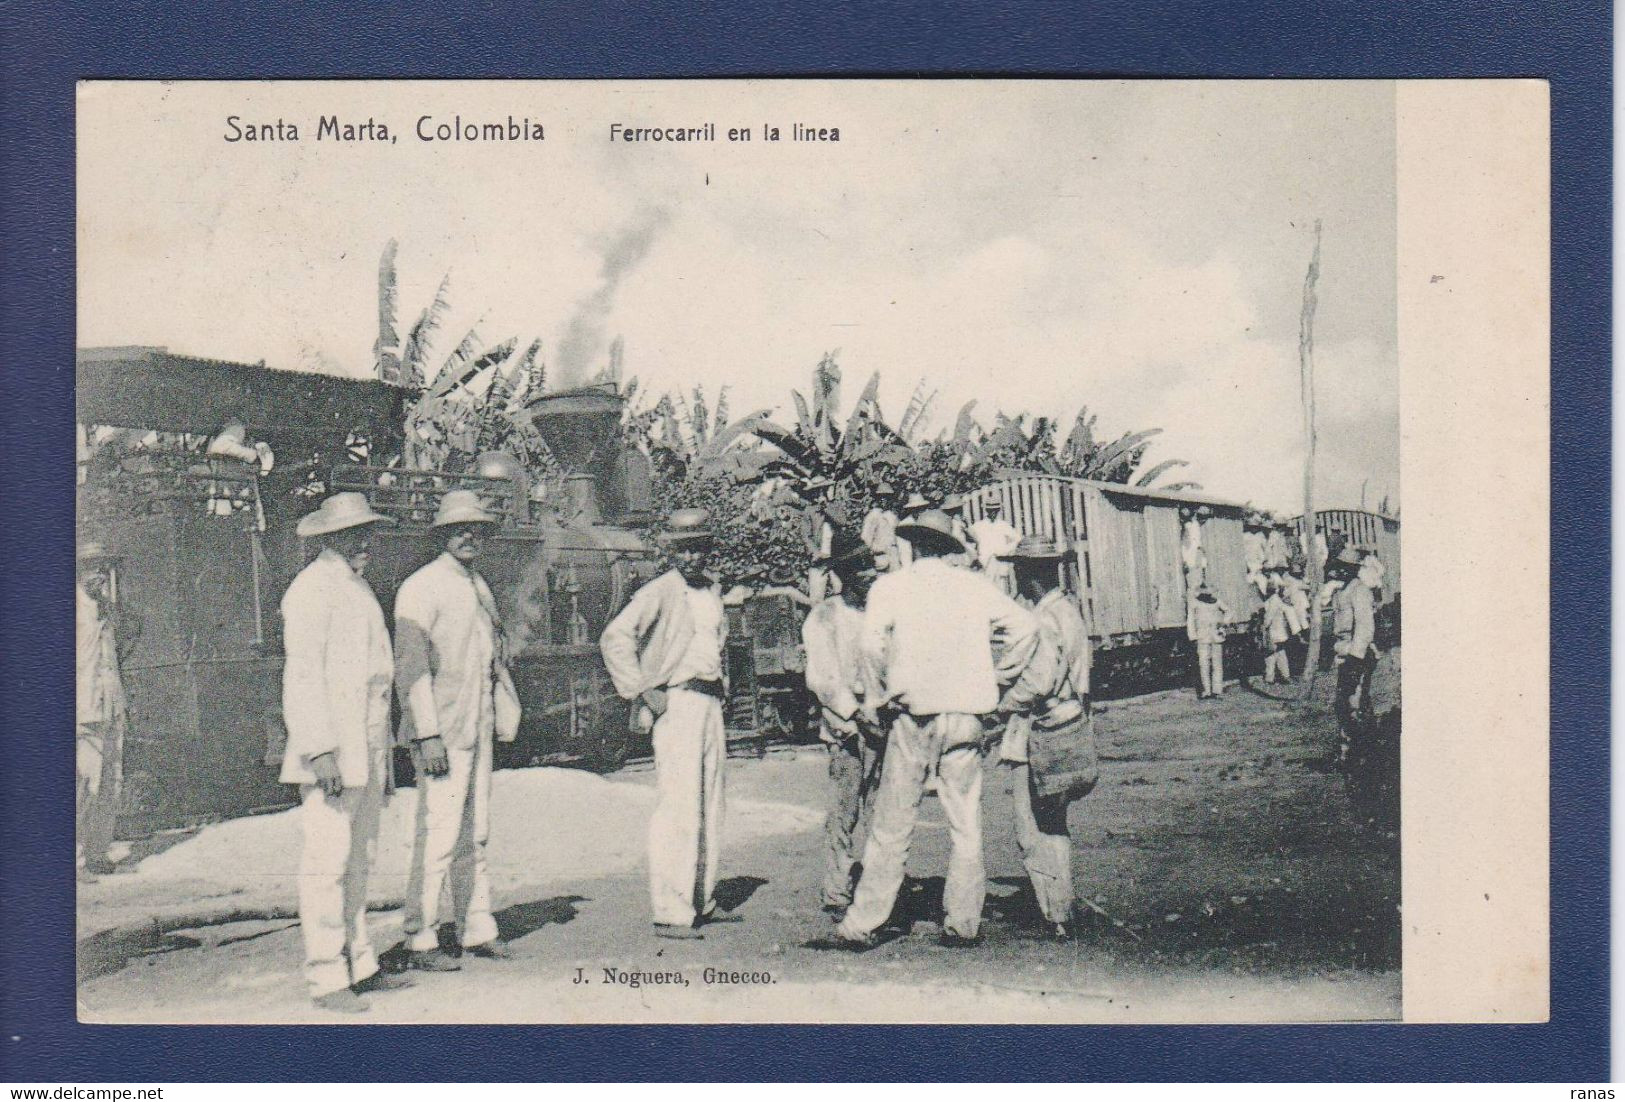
(965, 423)
(520, 377)
(1118, 451)
(412, 356)
(1150, 477)
(826, 389)
(386, 355)
(865, 407)
(488, 360)
(918, 404)
(452, 369)
(729, 434)
(699, 418)
(420, 346)
(804, 422)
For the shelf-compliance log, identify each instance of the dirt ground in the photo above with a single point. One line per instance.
(1234, 880)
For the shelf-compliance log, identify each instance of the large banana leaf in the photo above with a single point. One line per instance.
(965, 424)
(488, 360)
(729, 434)
(919, 404)
(420, 345)
(1119, 450)
(1151, 476)
(798, 451)
(865, 406)
(452, 369)
(385, 351)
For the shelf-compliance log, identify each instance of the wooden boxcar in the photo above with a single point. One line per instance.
(1128, 575)
(1365, 529)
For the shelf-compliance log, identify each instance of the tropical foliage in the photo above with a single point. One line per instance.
(473, 402)
(775, 487)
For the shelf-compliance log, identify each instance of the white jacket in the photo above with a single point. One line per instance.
(445, 642)
(336, 677)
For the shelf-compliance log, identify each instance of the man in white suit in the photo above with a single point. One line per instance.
(666, 647)
(447, 634)
(335, 701)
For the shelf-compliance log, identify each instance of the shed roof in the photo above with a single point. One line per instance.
(153, 388)
(1182, 497)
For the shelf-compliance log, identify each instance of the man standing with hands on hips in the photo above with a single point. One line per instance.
(943, 641)
(448, 667)
(665, 647)
(335, 702)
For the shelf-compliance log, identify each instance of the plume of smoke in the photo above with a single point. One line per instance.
(584, 335)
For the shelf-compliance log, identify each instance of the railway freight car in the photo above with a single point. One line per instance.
(1128, 574)
(1363, 529)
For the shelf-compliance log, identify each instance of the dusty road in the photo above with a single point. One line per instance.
(1239, 880)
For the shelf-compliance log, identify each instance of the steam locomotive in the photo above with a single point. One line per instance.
(209, 546)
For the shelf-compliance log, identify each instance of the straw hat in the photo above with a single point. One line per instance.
(848, 554)
(96, 551)
(1038, 547)
(931, 528)
(462, 507)
(916, 500)
(1348, 558)
(347, 510)
(688, 526)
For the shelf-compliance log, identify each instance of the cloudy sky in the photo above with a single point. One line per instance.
(1135, 247)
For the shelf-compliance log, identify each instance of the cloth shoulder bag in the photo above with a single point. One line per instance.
(1062, 753)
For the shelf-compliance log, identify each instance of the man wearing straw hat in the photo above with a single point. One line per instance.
(1354, 624)
(335, 702)
(994, 537)
(1052, 751)
(942, 641)
(840, 678)
(665, 648)
(99, 737)
(448, 661)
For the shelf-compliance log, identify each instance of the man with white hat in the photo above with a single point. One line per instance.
(666, 648)
(99, 736)
(335, 702)
(1354, 624)
(942, 641)
(994, 537)
(447, 658)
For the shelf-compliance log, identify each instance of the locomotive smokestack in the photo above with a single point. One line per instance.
(581, 491)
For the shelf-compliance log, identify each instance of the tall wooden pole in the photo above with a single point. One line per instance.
(1306, 369)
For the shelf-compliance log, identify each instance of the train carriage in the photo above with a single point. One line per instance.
(1129, 576)
(1365, 529)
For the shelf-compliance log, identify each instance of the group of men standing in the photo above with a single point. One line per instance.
(921, 664)
(446, 663)
(916, 670)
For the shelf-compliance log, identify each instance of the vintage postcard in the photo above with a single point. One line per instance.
(812, 551)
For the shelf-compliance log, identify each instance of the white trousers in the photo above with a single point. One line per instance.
(1210, 665)
(340, 835)
(99, 771)
(952, 742)
(1045, 845)
(685, 830)
(452, 826)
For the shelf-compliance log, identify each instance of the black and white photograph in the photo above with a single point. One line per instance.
(762, 551)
